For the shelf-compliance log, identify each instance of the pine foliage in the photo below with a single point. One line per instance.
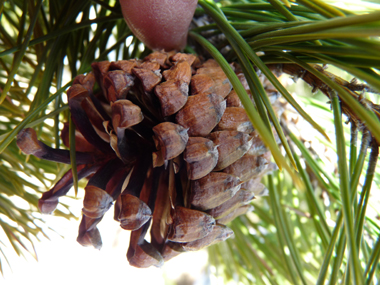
(320, 222)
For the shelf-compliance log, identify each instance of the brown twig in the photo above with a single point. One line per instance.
(352, 87)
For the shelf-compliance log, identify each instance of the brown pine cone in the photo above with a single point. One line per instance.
(167, 141)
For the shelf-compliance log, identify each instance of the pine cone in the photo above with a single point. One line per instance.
(166, 140)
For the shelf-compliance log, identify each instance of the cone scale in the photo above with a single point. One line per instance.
(165, 141)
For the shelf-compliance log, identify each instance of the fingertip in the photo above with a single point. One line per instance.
(159, 24)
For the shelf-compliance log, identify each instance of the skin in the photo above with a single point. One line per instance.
(159, 24)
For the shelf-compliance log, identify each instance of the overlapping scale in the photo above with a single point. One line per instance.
(167, 142)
